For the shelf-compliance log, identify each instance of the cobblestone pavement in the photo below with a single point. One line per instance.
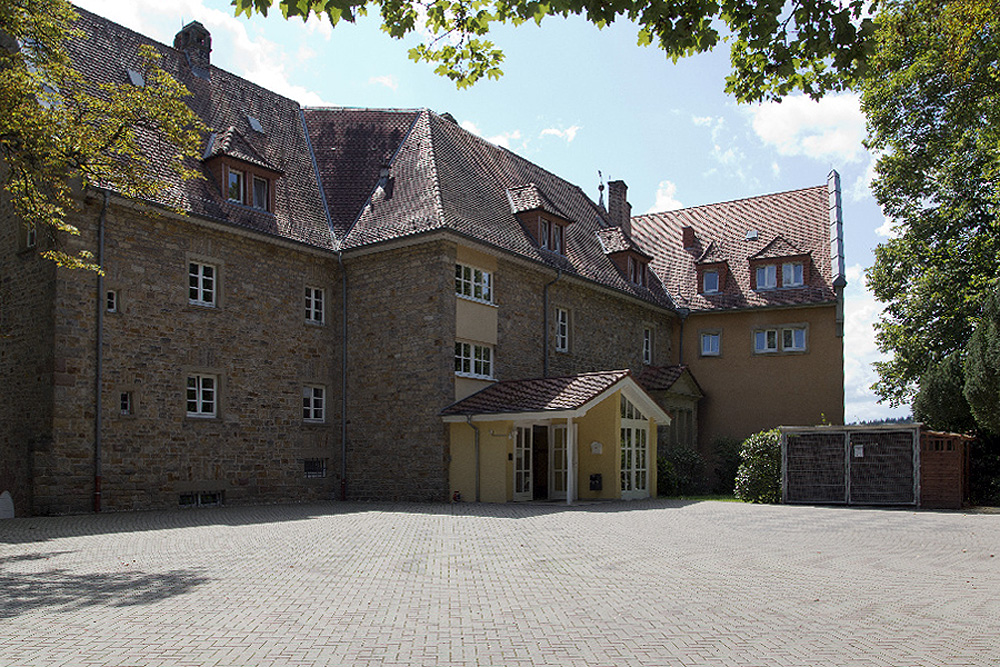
(612, 584)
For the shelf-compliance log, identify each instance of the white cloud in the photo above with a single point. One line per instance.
(860, 351)
(568, 133)
(887, 229)
(776, 169)
(257, 59)
(831, 129)
(499, 139)
(701, 121)
(389, 81)
(665, 198)
(862, 188)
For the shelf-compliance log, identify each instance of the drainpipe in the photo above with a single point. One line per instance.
(343, 377)
(468, 419)
(99, 355)
(545, 324)
(683, 314)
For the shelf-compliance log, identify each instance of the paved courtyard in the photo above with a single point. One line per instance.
(615, 584)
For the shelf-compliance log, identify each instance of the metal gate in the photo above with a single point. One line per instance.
(855, 466)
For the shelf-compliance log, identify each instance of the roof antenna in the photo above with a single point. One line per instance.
(600, 188)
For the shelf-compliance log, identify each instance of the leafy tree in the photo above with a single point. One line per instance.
(759, 477)
(59, 132)
(776, 46)
(982, 367)
(932, 99)
(940, 402)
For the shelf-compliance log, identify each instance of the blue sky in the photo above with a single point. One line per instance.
(575, 100)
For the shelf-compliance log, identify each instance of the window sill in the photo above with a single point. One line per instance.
(473, 299)
(313, 423)
(470, 376)
(202, 418)
(314, 323)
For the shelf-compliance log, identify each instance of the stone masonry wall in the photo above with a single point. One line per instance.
(605, 331)
(401, 330)
(26, 365)
(255, 341)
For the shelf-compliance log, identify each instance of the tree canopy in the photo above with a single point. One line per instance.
(932, 99)
(59, 131)
(982, 367)
(776, 46)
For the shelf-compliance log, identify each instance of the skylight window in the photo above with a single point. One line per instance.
(136, 78)
(255, 124)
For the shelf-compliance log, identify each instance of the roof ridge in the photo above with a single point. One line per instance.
(435, 178)
(731, 201)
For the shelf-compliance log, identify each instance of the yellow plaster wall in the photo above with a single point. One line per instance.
(601, 424)
(495, 481)
(474, 321)
(747, 392)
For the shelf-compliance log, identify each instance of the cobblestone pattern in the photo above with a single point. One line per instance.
(602, 585)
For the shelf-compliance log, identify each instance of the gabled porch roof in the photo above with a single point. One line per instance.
(568, 397)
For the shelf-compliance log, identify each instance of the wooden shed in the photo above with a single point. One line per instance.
(891, 464)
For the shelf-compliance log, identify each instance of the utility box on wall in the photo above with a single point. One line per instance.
(874, 465)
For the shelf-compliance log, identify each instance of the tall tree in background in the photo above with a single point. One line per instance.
(59, 132)
(776, 46)
(932, 99)
(982, 367)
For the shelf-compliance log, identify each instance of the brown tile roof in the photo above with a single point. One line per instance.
(231, 142)
(538, 395)
(222, 101)
(776, 249)
(662, 378)
(524, 198)
(799, 217)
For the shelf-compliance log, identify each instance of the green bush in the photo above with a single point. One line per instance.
(666, 477)
(726, 452)
(689, 470)
(759, 477)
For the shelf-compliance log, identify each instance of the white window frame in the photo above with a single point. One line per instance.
(704, 281)
(562, 330)
(111, 303)
(473, 283)
(314, 404)
(266, 205)
(770, 273)
(241, 181)
(203, 284)
(558, 238)
(544, 230)
(765, 341)
(711, 350)
(202, 395)
(795, 346)
(127, 403)
(315, 305)
(473, 360)
(792, 274)
(647, 346)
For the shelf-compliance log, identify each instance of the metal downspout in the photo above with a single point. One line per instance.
(343, 377)
(99, 355)
(545, 324)
(468, 419)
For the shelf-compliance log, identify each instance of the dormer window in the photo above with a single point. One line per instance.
(248, 188)
(237, 180)
(636, 271)
(767, 276)
(551, 235)
(792, 274)
(261, 193)
(710, 281)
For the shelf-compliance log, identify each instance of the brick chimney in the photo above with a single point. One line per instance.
(619, 210)
(688, 233)
(195, 40)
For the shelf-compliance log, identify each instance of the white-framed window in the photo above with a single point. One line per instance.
(261, 193)
(473, 283)
(544, 232)
(765, 341)
(647, 346)
(767, 276)
(793, 339)
(711, 343)
(202, 395)
(557, 238)
(236, 185)
(202, 283)
(792, 275)
(315, 305)
(473, 360)
(314, 403)
(562, 330)
(710, 281)
(111, 301)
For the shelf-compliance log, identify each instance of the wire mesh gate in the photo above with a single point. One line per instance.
(844, 465)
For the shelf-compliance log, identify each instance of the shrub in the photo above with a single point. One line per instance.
(726, 453)
(666, 477)
(759, 477)
(688, 470)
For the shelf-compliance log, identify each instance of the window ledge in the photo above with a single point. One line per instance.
(475, 300)
(471, 376)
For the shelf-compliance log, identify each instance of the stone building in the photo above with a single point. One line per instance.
(308, 325)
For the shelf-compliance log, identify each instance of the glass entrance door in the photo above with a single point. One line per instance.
(557, 462)
(522, 464)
